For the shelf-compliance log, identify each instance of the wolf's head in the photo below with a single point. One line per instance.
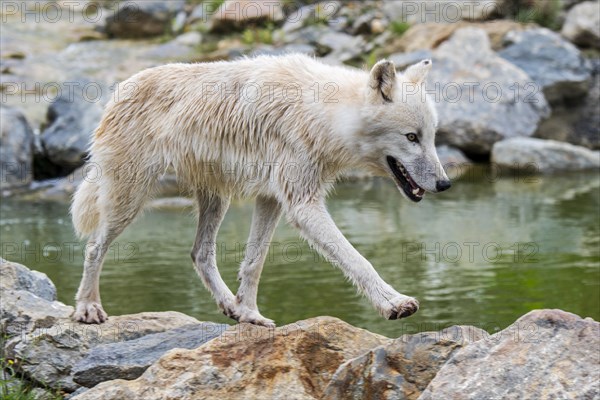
(398, 138)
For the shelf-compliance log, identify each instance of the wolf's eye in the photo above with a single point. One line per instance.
(412, 137)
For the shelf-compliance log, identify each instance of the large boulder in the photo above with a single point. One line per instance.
(71, 121)
(531, 155)
(582, 25)
(129, 359)
(481, 98)
(401, 369)
(16, 149)
(546, 354)
(237, 14)
(140, 19)
(556, 65)
(249, 362)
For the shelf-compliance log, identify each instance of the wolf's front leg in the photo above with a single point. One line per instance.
(264, 221)
(317, 226)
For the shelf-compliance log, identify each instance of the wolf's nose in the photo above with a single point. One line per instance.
(443, 185)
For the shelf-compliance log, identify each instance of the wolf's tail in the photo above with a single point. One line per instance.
(84, 209)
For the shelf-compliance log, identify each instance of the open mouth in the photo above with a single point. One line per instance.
(404, 181)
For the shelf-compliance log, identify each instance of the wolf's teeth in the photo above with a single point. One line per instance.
(415, 191)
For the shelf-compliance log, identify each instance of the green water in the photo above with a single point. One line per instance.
(483, 253)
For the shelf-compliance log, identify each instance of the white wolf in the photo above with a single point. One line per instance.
(269, 113)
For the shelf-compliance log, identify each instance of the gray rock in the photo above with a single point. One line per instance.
(402, 369)
(336, 46)
(237, 14)
(16, 149)
(22, 312)
(441, 11)
(287, 49)
(481, 98)
(15, 276)
(404, 60)
(140, 19)
(47, 354)
(546, 354)
(452, 157)
(532, 155)
(128, 360)
(582, 25)
(553, 63)
(72, 119)
(311, 14)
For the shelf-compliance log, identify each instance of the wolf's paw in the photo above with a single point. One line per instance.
(402, 307)
(244, 314)
(90, 313)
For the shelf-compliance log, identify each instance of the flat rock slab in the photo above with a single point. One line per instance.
(128, 360)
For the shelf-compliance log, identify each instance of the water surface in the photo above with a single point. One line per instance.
(483, 253)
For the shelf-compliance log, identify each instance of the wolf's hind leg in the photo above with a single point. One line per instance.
(211, 210)
(317, 226)
(267, 212)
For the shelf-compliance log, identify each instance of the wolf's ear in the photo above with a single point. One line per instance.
(418, 72)
(382, 82)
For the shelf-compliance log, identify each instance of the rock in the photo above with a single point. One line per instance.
(440, 11)
(287, 49)
(72, 119)
(248, 362)
(143, 19)
(16, 149)
(47, 355)
(401, 369)
(189, 39)
(546, 354)
(481, 98)
(553, 63)
(543, 156)
(452, 157)
(405, 60)
(237, 14)
(15, 276)
(335, 46)
(23, 312)
(582, 25)
(311, 14)
(128, 360)
(429, 36)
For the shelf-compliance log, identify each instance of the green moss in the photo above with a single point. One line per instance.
(399, 27)
(544, 13)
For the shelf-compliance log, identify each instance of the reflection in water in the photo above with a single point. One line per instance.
(483, 253)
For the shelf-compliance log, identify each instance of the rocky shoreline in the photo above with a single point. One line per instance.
(156, 355)
(502, 71)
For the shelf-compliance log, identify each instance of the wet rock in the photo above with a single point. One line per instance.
(481, 98)
(237, 14)
(401, 369)
(141, 19)
(311, 14)
(47, 355)
(15, 276)
(546, 354)
(72, 119)
(128, 360)
(533, 155)
(249, 362)
(16, 149)
(553, 63)
(582, 25)
(441, 11)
